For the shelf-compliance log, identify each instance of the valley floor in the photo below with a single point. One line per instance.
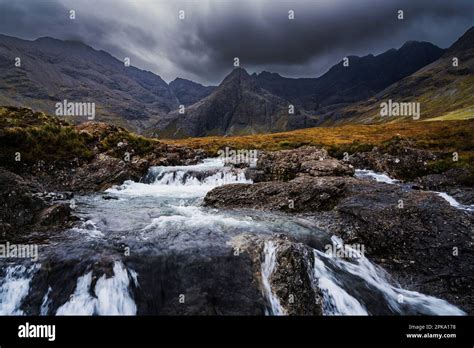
(433, 135)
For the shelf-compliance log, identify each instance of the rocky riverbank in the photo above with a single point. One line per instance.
(421, 239)
(416, 235)
(44, 159)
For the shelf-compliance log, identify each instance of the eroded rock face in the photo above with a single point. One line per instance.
(400, 160)
(307, 160)
(291, 282)
(18, 204)
(104, 172)
(422, 240)
(23, 211)
(458, 183)
(302, 194)
(426, 244)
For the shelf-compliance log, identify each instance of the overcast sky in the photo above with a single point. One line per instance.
(202, 46)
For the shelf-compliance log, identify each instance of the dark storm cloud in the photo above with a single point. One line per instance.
(203, 45)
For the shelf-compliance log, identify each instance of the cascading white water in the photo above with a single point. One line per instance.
(112, 295)
(165, 211)
(45, 303)
(379, 177)
(268, 266)
(382, 177)
(338, 301)
(454, 203)
(14, 287)
(183, 181)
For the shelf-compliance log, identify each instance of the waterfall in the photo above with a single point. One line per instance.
(381, 177)
(338, 301)
(183, 181)
(111, 295)
(268, 266)
(454, 203)
(14, 286)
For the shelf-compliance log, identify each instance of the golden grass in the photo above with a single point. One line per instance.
(462, 114)
(441, 136)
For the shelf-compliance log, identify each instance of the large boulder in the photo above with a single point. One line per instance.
(400, 159)
(23, 210)
(291, 278)
(307, 160)
(417, 236)
(18, 204)
(105, 171)
(304, 193)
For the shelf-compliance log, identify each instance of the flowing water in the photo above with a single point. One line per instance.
(151, 247)
(382, 177)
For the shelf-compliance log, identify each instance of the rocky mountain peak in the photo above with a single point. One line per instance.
(464, 43)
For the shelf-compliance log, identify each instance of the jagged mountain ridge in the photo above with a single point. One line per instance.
(444, 91)
(364, 77)
(189, 92)
(223, 113)
(237, 106)
(53, 70)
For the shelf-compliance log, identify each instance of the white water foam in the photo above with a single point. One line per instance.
(14, 287)
(339, 302)
(88, 228)
(454, 203)
(192, 217)
(112, 295)
(379, 177)
(45, 303)
(176, 181)
(268, 266)
(336, 301)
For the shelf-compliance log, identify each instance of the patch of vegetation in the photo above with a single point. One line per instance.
(34, 136)
(139, 144)
(337, 151)
(441, 137)
(48, 143)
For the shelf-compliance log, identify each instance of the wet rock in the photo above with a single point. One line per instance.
(400, 159)
(18, 204)
(56, 215)
(104, 172)
(457, 182)
(292, 279)
(23, 211)
(307, 160)
(417, 236)
(302, 194)
(197, 282)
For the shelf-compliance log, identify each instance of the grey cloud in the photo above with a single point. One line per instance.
(202, 46)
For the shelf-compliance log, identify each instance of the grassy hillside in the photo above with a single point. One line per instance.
(443, 137)
(37, 136)
(444, 91)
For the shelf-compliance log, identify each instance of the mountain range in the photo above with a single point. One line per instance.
(53, 70)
